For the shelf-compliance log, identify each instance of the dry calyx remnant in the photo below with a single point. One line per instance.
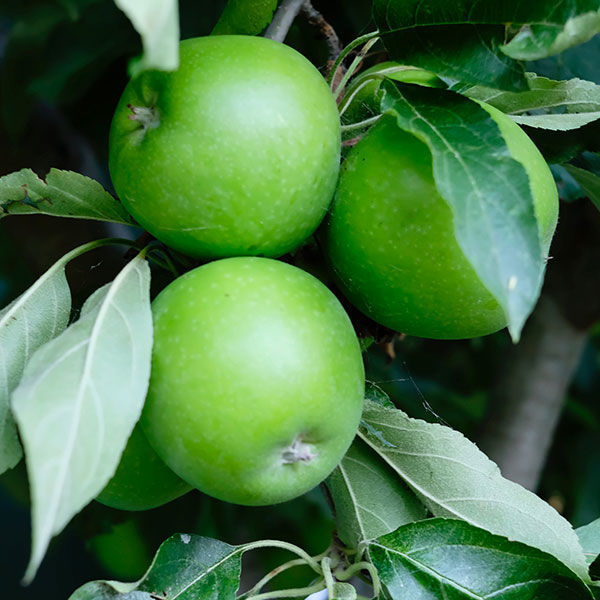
(297, 451)
(147, 116)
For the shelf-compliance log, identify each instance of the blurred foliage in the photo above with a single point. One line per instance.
(63, 65)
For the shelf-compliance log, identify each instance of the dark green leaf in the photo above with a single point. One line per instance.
(63, 194)
(79, 399)
(454, 560)
(466, 40)
(491, 199)
(589, 182)
(370, 500)
(247, 17)
(186, 567)
(375, 394)
(455, 479)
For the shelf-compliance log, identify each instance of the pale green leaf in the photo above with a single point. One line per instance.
(79, 399)
(62, 194)
(157, 22)
(360, 513)
(564, 122)
(589, 536)
(539, 40)
(455, 479)
(571, 96)
(34, 318)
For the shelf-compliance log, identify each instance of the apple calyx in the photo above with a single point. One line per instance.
(146, 116)
(297, 451)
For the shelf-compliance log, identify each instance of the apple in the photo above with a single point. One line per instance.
(235, 153)
(142, 480)
(390, 238)
(257, 380)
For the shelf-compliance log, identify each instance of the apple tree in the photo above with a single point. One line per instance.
(286, 317)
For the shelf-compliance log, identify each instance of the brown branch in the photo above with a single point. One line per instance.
(325, 30)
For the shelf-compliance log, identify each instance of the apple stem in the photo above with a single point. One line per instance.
(147, 116)
(297, 451)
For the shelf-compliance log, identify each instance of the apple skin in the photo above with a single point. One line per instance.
(241, 151)
(390, 238)
(255, 362)
(142, 480)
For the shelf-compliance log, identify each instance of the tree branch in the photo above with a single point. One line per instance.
(283, 19)
(317, 20)
(531, 391)
(530, 394)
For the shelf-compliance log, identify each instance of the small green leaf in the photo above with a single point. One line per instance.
(491, 200)
(589, 182)
(343, 591)
(63, 194)
(157, 22)
(537, 40)
(572, 96)
(589, 536)
(454, 479)
(34, 318)
(187, 567)
(564, 122)
(362, 514)
(79, 399)
(245, 17)
(375, 394)
(440, 558)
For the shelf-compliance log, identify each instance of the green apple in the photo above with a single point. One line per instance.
(235, 153)
(257, 380)
(122, 550)
(390, 235)
(142, 480)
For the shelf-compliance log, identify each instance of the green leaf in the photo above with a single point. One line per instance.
(589, 536)
(572, 96)
(189, 567)
(440, 558)
(491, 201)
(564, 122)
(63, 194)
(34, 318)
(369, 499)
(566, 104)
(375, 394)
(466, 41)
(589, 182)
(539, 40)
(454, 479)
(246, 17)
(157, 22)
(79, 399)
(343, 591)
